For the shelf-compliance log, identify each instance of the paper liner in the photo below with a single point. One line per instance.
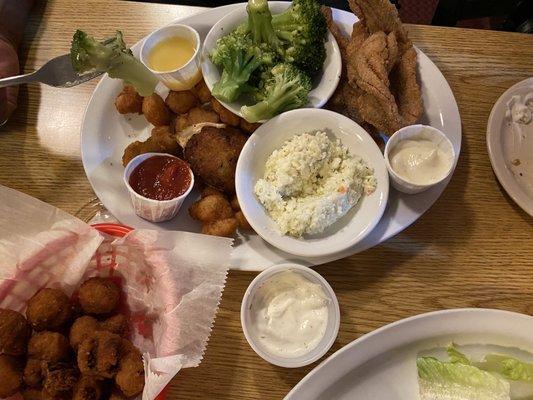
(172, 281)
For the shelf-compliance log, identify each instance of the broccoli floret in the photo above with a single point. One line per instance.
(260, 24)
(287, 88)
(303, 28)
(238, 57)
(111, 56)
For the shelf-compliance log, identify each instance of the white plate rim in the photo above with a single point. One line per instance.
(398, 333)
(391, 223)
(497, 159)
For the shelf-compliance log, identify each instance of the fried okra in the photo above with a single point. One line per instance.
(15, 332)
(99, 296)
(48, 309)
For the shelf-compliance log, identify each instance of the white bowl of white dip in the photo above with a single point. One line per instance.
(346, 219)
(418, 157)
(290, 315)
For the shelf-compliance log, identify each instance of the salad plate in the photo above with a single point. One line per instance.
(105, 134)
(382, 365)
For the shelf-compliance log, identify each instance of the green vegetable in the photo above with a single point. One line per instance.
(238, 57)
(303, 29)
(456, 356)
(458, 381)
(111, 56)
(260, 24)
(508, 367)
(285, 89)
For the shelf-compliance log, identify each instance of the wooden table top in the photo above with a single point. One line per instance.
(473, 248)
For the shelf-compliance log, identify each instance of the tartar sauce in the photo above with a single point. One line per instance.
(419, 161)
(520, 108)
(289, 314)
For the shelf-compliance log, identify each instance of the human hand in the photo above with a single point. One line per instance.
(9, 66)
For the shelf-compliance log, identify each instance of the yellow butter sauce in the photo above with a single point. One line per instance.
(171, 53)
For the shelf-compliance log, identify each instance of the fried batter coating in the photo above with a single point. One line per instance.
(116, 324)
(33, 372)
(225, 115)
(222, 227)
(248, 127)
(48, 309)
(48, 346)
(99, 355)
(88, 388)
(31, 394)
(129, 101)
(60, 382)
(81, 329)
(99, 296)
(213, 154)
(10, 376)
(202, 91)
(164, 136)
(209, 191)
(235, 203)
(14, 333)
(211, 208)
(130, 375)
(182, 101)
(195, 116)
(242, 221)
(155, 110)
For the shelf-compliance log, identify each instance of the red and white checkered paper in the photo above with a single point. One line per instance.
(172, 282)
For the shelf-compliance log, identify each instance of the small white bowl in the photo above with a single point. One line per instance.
(184, 77)
(417, 132)
(150, 209)
(332, 328)
(348, 230)
(324, 83)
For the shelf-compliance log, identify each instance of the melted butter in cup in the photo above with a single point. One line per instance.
(172, 53)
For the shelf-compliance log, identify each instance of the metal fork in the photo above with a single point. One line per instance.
(57, 72)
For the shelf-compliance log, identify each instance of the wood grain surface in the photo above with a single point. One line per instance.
(473, 248)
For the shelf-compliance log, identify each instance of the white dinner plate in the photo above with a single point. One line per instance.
(504, 147)
(381, 365)
(105, 134)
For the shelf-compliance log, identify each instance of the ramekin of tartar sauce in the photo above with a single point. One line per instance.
(290, 315)
(418, 157)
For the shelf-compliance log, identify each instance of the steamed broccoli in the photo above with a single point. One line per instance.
(260, 24)
(111, 56)
(238, 57)
(287, 88)
(303, 29)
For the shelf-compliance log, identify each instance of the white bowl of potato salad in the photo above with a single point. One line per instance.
(312, 182)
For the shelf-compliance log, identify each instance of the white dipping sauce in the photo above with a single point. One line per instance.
(419, 161)
(289, 314)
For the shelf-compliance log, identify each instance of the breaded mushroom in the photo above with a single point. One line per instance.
(130, 375)
(225, 115)
(10, 376)
(59, 383)
(48, 309)
(211, 208)
(88, 388)
(32, 394)
(15, 332)
(235, 203)
(81, 329)
(99, 355)
(48, 346)
(248, 127)
(99, 295)
(116, 324)
(129, 101)
(242, 221)
(202, 91)
(155, 110)
(222, 227)
(182, 101)
(164, 136)
(209, 191)
(33, 372)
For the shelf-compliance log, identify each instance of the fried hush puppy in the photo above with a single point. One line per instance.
(130, 374)
(211, 208)
(87, 388)
(202, 91)
(99, 355)
(48, 346)
(155, 110)
(14, 333)
(48, 309)
(213, 153)
(59, 383)
(129, 101)
(182, 101)
(99, 296)
(33, 373)
(222, 227)
(85, 326)
(225, 115)
(10, 375)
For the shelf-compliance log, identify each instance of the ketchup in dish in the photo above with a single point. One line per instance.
(161, 178)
